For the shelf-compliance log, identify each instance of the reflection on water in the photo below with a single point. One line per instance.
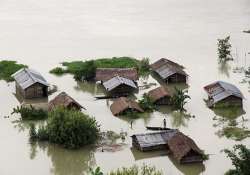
(139, 155)
(188, 169)
(179, 119)
(224, 68)
(89, 87)
(65, 162)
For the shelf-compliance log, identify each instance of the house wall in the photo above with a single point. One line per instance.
(36, 91)
(229, 101)
(163, 101)
(122, 89)
(177, 78)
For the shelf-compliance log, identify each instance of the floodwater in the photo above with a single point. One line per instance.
(44, 33)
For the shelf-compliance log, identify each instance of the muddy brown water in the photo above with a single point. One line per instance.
(44, 33)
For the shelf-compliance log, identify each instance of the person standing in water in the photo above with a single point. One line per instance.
(164, 123)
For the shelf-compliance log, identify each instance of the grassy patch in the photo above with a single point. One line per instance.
(86, 69)
(7, 68)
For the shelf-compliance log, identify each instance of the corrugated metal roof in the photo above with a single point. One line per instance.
(167, 70)
(27, 77)
(220, 90)
(117, 81)
(155, 138)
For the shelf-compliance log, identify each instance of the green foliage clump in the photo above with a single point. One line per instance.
(58, 71)
(30, 113)
(69, 128)
(224, 51)
(135, 170)
(85, 70)
(179, 99)
(146, 103)
(32, 132)
(7, 68)
(240, 157)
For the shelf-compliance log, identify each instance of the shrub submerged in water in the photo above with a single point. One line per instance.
(69, 128)
(7, 68)
(30, 113)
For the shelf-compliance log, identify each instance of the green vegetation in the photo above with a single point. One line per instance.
(240, 157)
(135, 170)
(30, 113)
(146, 104)
(7, 68)
(69, 128)
(179, 99)
(85, 70)
(224, 51)
(97, 171)
(234, 133)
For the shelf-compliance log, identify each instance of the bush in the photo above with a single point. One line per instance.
(146, 103)
(224, 51)
(7, 68)
(69, 128)
(135, 170)
(58, 71)
(240, 157)
(32, 132)
(30, 113)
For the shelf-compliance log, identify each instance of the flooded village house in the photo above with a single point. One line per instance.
(223, 94)
(30, 84)
(169, 71)
(124, 105)
(118, 80)
(64, 100)
(173, 142)
(159, 96)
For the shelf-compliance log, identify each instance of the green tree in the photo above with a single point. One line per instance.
(179, 99)
(97, 171)
(240, 157)
(224, 49)
(146, 103)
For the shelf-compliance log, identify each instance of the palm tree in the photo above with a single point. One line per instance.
(179, 99)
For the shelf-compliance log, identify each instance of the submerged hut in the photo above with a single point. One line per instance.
(123, 105)
(169, 71)
(64, 100)
(184, 149)
(30, 84)
(152, 141)
(119, 85)
(160, 96)
(223, 94)
(105, 74)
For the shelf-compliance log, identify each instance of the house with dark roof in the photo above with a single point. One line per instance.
(159, 96)
(64, 100)
(184, 149)
(120, 85)
(222, 94)
(105, 74)
(152, 141)
(30, 84)
(124, 105)
(169, 71)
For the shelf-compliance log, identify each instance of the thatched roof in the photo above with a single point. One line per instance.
(122, 104)
(63, 99)
(158, 93)
(180, 145)
(104, 74)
